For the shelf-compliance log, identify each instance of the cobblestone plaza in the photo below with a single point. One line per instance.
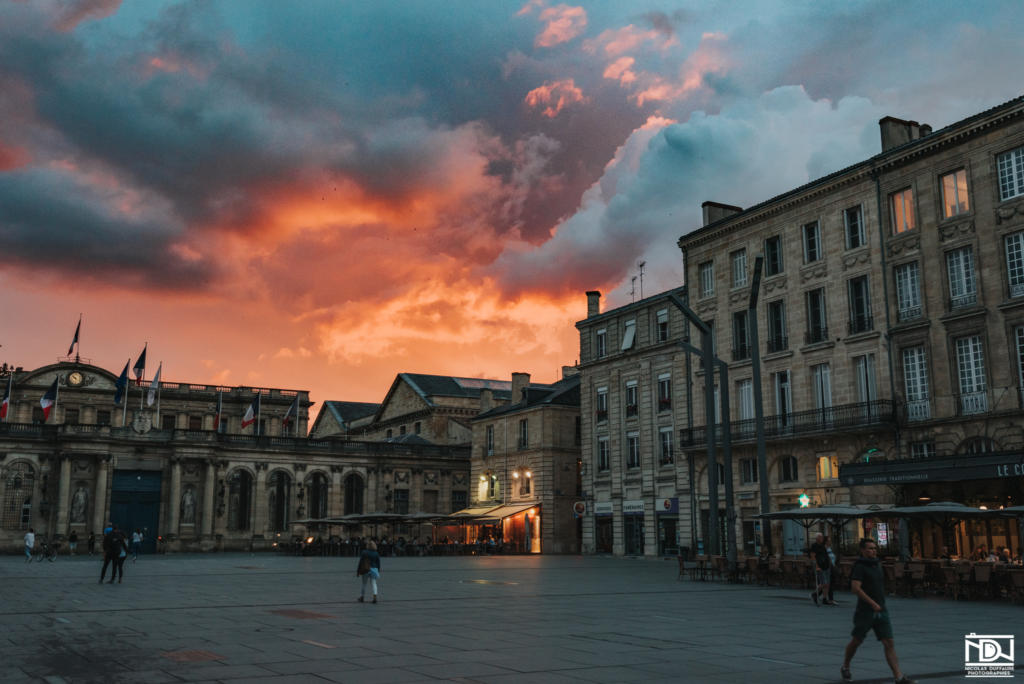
(242, 617)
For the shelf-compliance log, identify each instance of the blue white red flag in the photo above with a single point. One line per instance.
(293, 412)
(48, 400)
(7, 396)
(220, 412)
(252, 414)
(140, 365)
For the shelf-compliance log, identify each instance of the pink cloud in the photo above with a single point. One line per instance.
(556, 95)
(710, 57)
(621, 70)
(563, 23)
(74, 13)
(615, 42)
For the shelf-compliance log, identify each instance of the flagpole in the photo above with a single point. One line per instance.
(56, 399)
(158, 385)
(124, 406)
(78, 349)
(10, 396)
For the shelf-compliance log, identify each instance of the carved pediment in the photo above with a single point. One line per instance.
(955, 230)
(817, 271)
(1009, 212)
(904, 246)
(856, 259)
(774, 284)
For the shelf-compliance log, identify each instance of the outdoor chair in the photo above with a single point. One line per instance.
(982, 579)
(916, 577)
(1017, 585)
(951, 583)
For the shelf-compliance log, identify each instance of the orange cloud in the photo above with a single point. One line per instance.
(556, 95)
(621, 70)
(710, 57)
(12, 157)
(615, 42)
(563, 23)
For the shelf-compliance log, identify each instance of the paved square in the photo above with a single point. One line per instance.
(265, 618)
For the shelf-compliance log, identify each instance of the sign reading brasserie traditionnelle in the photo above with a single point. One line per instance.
(962, 467)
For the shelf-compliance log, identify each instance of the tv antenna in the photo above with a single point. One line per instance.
(632, 290)
(641, 265)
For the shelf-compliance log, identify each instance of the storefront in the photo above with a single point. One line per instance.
(519, 525)
(666, 511)
(633, 527)
(604, 535)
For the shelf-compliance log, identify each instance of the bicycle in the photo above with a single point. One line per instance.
(45, 550)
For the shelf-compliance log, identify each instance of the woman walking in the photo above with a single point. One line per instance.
(369, 569)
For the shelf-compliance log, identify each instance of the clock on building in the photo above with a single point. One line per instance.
(75, 378)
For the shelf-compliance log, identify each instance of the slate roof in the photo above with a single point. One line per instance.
(565, 392)
(448, 386)
(347, 411)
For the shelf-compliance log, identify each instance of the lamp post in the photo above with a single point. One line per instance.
(755, 367)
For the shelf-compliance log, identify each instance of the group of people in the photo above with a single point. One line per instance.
(996, 555)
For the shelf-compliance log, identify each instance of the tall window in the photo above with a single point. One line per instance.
(460, 499)
(748, 471)
(864, 377)
(812, 242)
(908, 291)
(745, 398)
(401, 501)
(821, 378)
(789, 469)
(661, 330)
(664, 392)
(632, 407)
(1011, 173)
(1015, 263)
(783, 397)
(601, 343)
(353, 494)
(960, 269)
(853, 222)
(1018, 334)
(740, 336)
(524, 435)
(970, 362)
(489, 441)
(707, 279)
(739, 268)
(777, 340)
(601, 410)
(922, 449)
(628, 335)
(239, 500)
(817, 325)
(603, 460)
(318, 496)
(954, 193)
(860, 305)
(665, 438)
(278, 500)
(915, 381)
(632, 449)
(773, 256)
(828, 467)
(19, 481)
(901, 210)
(102, 417)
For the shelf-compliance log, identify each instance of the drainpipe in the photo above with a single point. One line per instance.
(885, 294)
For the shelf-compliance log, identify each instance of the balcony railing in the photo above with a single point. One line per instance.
(973, 403)
(664, 404)
(859, 324)
(909, 313)
(601, 415)
(963, 301)
(919, 410)
(1017, 289)
(631, 410)
(816, 334)
(846, 416)
(741, 352)
(778, 343)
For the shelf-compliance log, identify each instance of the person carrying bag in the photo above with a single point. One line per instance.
(369, 569)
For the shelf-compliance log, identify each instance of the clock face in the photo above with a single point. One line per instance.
(75, 379)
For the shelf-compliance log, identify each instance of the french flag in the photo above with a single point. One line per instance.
(7, 397)
(292, 414)
(220, 411)
(252, 413)
(48, 400)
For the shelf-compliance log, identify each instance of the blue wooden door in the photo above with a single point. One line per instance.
(135, 503)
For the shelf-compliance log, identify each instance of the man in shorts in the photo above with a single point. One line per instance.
(867, 583)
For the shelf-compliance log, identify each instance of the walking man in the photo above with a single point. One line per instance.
(30, 543)
(822, 571)
(136, 544)
(866, 582)
(109, 557)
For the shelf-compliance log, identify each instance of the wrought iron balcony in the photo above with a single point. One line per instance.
(741, 352)
(631, 410)
(860, 324)
(963, 301)
(909, 313)
(844, 417)
(973, 403)
(778, 343)
(664, 404)
(919, 410)
(1016, 289)
(816, 334)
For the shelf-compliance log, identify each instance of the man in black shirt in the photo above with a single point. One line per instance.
(823, 570)
(867, 582)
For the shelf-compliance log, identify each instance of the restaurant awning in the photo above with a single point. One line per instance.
(467, 513)
(503, 512)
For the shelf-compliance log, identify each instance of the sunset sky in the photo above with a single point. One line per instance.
(321, 194)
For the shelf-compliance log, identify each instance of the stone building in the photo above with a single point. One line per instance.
(337, 418)
(525, 464)
(176, 476)
(891, 338)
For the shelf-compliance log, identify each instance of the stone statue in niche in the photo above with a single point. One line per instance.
(188, 507)
(79, 502)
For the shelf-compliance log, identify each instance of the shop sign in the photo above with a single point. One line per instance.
(633, 507)
(602, 508)
(667, 505)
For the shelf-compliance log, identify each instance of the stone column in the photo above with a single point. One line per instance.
(63, 495)
(99, 499)
(335, 505)
(260, 514)
(174, 503)
(209, 488)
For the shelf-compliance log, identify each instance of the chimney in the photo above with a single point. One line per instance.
(569, 371)
(486, 399)
(926, 130)
(593, 303)
(520, 381)
(896, 132)
(716, 211)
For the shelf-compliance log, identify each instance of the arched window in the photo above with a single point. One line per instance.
(353, 494)
(317, 496)
(278, 498)
(239, 500)
(17, 501)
